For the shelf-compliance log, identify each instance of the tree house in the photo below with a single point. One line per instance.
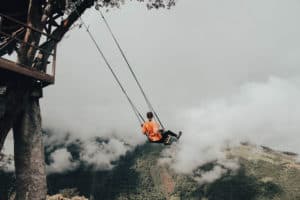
(13, 27)
(9, 41)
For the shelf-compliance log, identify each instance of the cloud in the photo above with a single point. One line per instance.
(100, 155)
(8, 163)
(8, 147)
(263, 113)
(211, 175)
(96, 153)
(61, 161)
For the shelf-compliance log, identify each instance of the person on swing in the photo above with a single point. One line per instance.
(156, 135)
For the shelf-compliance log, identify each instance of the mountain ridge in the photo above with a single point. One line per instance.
(263, 174)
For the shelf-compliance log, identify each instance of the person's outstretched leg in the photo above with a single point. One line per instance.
(167, 136)
(168, 132)
(173, 134)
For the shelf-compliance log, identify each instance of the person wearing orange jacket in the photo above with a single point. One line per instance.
(156, 135)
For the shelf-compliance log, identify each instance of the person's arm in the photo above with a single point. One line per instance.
(144, 130)
(157, 128)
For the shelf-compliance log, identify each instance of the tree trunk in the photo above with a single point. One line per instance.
(29, 153)
(27, 128)
(12, 103)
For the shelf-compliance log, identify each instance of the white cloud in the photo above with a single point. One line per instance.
(61, 161)
(265, 113)
(8, 147)
(211, 175)
(8, 163)
(101, 155)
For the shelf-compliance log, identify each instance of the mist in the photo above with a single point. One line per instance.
(264, 113)
(222, 72)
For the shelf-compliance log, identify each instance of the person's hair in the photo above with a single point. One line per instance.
(149, 115)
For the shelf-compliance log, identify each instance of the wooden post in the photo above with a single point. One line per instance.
(54, 63)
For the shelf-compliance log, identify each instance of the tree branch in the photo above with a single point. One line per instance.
(59, 32)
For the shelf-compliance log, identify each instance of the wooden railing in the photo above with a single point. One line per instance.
(13, 66)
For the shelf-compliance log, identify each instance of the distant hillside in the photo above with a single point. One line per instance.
(264, 174)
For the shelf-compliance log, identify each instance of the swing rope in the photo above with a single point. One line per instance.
(131, 70)
(134, 108)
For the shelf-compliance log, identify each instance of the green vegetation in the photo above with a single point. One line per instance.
(241, 186)
(265, 175)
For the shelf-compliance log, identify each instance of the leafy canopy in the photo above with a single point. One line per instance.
(149, 3)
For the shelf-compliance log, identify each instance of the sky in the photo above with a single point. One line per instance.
(221, 71)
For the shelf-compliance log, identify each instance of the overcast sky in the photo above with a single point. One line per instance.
(231, 65)
(197, 51)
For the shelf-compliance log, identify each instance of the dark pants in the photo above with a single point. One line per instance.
(165, 135)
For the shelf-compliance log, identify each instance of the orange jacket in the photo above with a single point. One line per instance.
(151, 129)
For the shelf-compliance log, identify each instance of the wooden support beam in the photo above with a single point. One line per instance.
(26, 71)
(26, 43)
(27, 26)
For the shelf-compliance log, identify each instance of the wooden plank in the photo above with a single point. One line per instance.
(26, 71)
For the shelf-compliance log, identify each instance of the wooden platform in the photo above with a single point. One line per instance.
(10, 66)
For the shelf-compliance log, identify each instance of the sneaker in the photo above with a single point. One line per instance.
(179, 135)
(168, 141)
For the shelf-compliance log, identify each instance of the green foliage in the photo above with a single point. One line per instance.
(137, 177)
(241, 186)
(269, 190)
(150, 3)
(187, 188)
